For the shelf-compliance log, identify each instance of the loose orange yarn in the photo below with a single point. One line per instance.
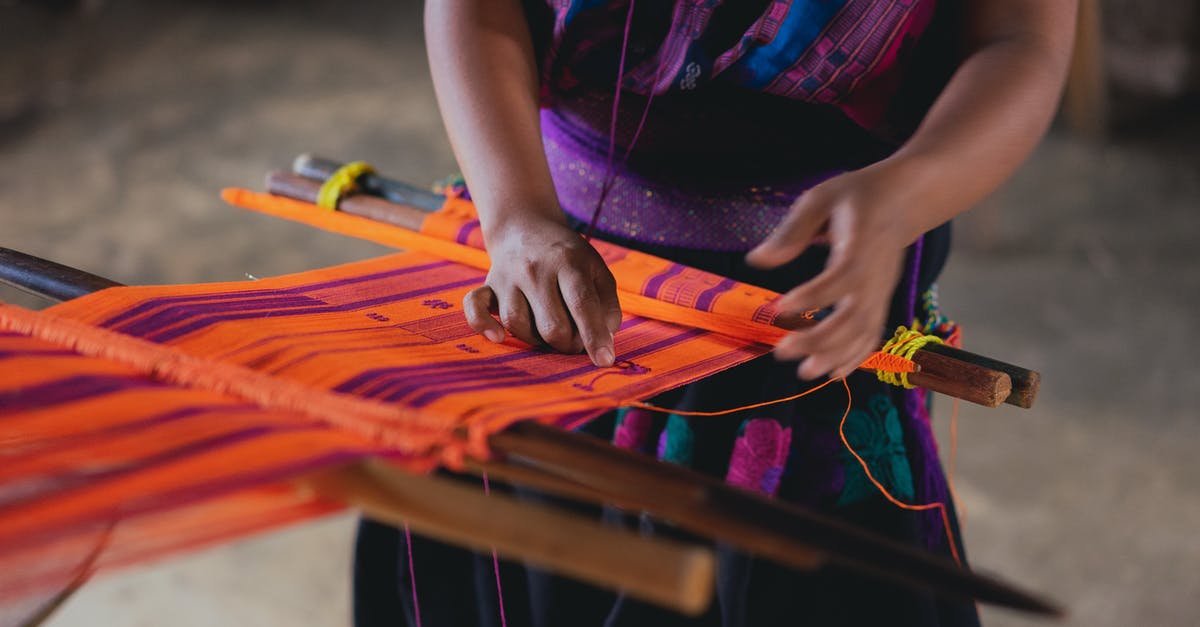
(725, 412)
(941, 507)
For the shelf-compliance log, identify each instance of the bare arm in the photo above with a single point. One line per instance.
(987, 120)
(546, 283)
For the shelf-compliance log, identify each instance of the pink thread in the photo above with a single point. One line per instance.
(611, 175)
(495, 565)
(412, 576)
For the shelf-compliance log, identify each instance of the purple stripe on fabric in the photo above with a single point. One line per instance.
(395, 384)
(464, 233)
(173, 313)
(179, 453)
(336, 351)
(192, 494)
(704, 302)
(149, 422)
(654, 284)
(679, 377)
(68, 390)
(41, 352)
(150, 304)
(355, 384)
(433, 395)
(152, 333)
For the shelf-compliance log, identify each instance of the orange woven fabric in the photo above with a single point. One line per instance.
(90, 444)
(124, 406)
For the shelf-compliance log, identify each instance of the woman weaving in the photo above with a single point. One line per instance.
(815, 148)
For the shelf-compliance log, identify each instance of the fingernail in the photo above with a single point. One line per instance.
(494, 335)
(604, 357)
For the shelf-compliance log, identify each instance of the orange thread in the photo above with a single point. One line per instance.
(887, 362)
(941, 507)
(724, 412)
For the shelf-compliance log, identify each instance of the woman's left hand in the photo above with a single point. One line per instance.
(869, 225)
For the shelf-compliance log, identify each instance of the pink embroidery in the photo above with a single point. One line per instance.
(759, 456)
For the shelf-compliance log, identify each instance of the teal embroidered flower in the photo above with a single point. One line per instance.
(677, 442)
(876, 435)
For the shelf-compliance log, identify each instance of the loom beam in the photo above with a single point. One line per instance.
(584, 468)
(953, 372)
(46, 278)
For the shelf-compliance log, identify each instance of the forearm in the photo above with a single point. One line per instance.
(991, 114)
(485, 75)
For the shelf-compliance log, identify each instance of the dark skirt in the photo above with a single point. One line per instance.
(792, 451)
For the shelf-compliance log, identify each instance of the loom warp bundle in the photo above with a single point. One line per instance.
(143, 421)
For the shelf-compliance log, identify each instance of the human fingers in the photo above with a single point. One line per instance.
(840, 327)
(606, 288)
(794, 233)
(846, 338)
(843, 273)
(478, 305)
(584, 304)
(551, 318)
(517, 317)
(839, 361)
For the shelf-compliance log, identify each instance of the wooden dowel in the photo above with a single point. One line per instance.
(971, 382)
(362, 205)
(668, 573)
(46, 278)
(960, 379)
(317, 168)
(1025, 382)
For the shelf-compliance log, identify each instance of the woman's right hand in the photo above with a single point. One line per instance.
(548, 286)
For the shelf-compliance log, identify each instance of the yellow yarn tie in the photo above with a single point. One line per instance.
(904, 344)
(342, 182)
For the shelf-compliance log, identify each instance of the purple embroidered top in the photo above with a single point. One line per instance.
(746, 104)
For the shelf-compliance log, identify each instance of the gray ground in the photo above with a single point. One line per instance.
(116, 133)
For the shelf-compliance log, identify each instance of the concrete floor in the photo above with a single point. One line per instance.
(117, 131)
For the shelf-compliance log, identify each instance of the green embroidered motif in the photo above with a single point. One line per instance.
(677, 441)
(877, 437)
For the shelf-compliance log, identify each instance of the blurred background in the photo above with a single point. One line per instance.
(120, 121)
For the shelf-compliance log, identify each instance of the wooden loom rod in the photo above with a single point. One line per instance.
(661, 571)
(47, 279)
(312, 167)
(585, 468)
(657, 570)
(941, 373)
(764, 526)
